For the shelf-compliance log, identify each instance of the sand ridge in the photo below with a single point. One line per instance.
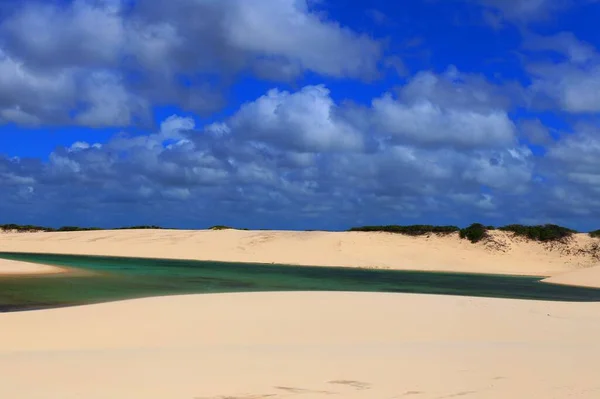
(502, 254)
(15, 268)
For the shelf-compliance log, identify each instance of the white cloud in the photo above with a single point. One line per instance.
(285, 150)
(572, 85)
(306, 121)
(30, 95)
(508, 170)
(288, 29)
(84, 33)
(118, 58)
(18, 116)
(448, 110)
(107, 102)
(573, 89)
(429, 124)
(578, 152)
(565, 43)
(175, 124)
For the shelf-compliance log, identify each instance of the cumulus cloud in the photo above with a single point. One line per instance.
(573, 84)
(579, 156)
(564, 43)
(294, 157)
(306, 121)
(570, 178)
(102, 63)
(440, 146)
(572, 88)
(452, 109)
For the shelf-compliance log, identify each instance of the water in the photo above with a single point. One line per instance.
(115, 278)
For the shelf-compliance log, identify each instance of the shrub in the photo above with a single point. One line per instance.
(76, 228)
(412, 230)
(139, 228)
(220, 227)
(29, 228)
(25, 228)
(474, 233)
(595, 233)
(546, 232)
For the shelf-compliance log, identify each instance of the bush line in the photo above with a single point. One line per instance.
(477, 231)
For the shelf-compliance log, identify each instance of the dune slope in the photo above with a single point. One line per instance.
(589, 277)
(305, 345)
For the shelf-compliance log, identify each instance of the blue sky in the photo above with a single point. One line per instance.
(299, 114)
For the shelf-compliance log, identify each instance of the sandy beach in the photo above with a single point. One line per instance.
(307, 345)
(304, 345)
(14, 268)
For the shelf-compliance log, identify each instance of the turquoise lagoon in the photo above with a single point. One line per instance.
(116, 278)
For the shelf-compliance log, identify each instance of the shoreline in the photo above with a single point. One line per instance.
(585, 278)
(273, 264)
(12, 268)
(503, 255)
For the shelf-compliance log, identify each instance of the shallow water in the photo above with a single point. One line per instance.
(116, 278)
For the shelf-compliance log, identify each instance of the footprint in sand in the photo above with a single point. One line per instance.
(299, 391)
(263, 396)
(351, 383)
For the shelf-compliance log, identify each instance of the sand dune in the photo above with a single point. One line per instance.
(589, 277)
(9, 267)
(308, 345)
(304, 345)
(503, 254)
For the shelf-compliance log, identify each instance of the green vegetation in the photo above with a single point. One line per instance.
(139, 228)
(595, 233)
(221, 227)
(546, 232)
(23, 228)
(30, 228)
(475, 232)
(413, 230)
(76, 228)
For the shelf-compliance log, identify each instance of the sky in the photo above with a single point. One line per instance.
(299, 114)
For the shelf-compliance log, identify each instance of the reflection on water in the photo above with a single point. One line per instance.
(114, 278)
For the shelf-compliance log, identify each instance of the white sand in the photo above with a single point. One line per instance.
(304, 345)
(505, 254)
(11, 267)
(308, 345)
(589, 277)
